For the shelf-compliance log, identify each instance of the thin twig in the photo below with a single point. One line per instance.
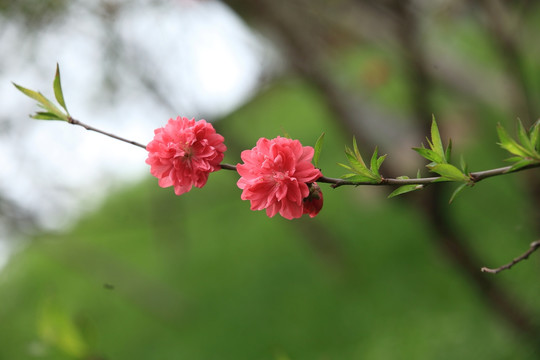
(91, 128)
(228, 166)
(534, 245)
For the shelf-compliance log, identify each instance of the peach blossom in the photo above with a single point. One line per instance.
(184, 152)
(275, 176)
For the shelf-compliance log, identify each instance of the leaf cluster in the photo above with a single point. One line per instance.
(527, 151)
(359, 170)
(51, 110)
(440, 157)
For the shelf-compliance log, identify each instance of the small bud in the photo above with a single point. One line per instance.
(314, 201)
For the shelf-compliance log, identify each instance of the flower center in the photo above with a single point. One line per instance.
(184, 151)
(280, 176)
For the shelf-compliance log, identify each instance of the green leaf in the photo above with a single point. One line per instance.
(463, 164)
(405, 189)
(43, 102)
(448, 152)
(380, 160)
(353, 160)
(449, 172)
(436, 142)
(534, 134)
(57, 85)
(524, 138)
(357, 152)
(360, 178)
(30, 93)
(375, 163)
(318, 149)
(347, 176)
(508, 143)
(456, 192)
(41, 115)
(345, 166)
(57, 328)
(520, 164)
(429, 154)
(367, 174)
(441, 179)
(357, 164)
(514, 159)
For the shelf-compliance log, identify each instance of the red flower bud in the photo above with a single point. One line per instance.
(314, 201)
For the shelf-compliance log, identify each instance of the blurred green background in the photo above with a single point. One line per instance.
(149, 275)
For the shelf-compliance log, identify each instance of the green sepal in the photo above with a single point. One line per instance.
(449, 172)
(57, 85)
(405, 189)
(456, 192)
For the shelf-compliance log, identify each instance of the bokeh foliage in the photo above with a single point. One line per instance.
(154, 276)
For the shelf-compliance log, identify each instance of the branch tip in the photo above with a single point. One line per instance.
(532, 248)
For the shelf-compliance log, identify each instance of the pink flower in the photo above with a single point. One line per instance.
(184, 152)
(314, 201)
(275, 175)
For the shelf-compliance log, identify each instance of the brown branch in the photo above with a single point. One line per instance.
(474, 177)
(91, 128)
(534, 245)
(228, 167)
